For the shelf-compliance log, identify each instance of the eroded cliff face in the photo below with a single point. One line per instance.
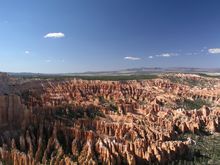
(12, 112)
(105, 122)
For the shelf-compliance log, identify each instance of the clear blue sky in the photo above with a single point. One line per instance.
(53, 36)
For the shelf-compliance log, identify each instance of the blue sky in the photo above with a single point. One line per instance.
(54, 36)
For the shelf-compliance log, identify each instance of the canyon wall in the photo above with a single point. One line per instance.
(12, 111)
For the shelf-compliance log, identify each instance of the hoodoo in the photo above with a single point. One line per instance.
(104, 122)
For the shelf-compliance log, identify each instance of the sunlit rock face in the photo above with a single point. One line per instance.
(105, 122)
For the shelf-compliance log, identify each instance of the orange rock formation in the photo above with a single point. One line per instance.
(103, 122)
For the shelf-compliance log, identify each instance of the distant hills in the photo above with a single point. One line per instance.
(132, 71)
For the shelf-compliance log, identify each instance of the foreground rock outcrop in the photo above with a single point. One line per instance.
(105, 122)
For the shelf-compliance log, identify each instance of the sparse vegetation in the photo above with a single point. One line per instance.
(109, 104)
(186, 81)
(90, 77)
(118, 77)
(206, 150)
(208, 75)
(69, 112)
(191, 104)
(113, 107)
